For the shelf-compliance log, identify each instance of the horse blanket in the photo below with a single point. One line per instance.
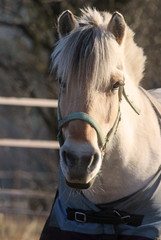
(146, 203)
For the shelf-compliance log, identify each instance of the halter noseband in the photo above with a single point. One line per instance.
(87, 118)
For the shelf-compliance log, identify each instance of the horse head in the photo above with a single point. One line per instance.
(90, 68)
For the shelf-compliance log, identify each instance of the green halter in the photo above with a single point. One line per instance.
(85, 117)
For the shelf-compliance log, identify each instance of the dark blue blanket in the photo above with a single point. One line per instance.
(146, 201)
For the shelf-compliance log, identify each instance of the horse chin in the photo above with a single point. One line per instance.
(80, 186)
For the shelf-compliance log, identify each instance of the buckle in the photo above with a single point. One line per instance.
(80, 217)
(124, 219)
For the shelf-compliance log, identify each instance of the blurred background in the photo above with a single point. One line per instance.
(28, 176)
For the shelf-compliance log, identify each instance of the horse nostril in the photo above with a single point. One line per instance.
(96, 158)
(93, 162)
(68, 158)
(76, 160)
(64, 157)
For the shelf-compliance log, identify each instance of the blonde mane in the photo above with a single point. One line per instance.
(90, 51)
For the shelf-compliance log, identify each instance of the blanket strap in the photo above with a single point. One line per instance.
(108, 216)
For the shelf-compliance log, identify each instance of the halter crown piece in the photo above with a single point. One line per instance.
(103, 142)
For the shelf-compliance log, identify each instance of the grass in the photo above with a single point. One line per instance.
(13, 227)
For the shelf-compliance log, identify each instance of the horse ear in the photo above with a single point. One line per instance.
(66, 23)
(117, 26)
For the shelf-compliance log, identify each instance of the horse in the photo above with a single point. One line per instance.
(109, 134)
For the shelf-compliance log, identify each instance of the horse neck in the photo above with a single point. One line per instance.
(138, 136)
(133, 156)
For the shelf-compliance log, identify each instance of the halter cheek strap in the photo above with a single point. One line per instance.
(91, 121)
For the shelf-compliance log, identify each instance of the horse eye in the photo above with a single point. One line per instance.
(59, 80)
(116, 85)
(62, 83)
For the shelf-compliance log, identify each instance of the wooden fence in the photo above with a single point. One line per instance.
(25, 143)
(29, 102)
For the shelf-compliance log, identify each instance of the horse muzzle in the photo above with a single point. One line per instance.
(79, 168)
